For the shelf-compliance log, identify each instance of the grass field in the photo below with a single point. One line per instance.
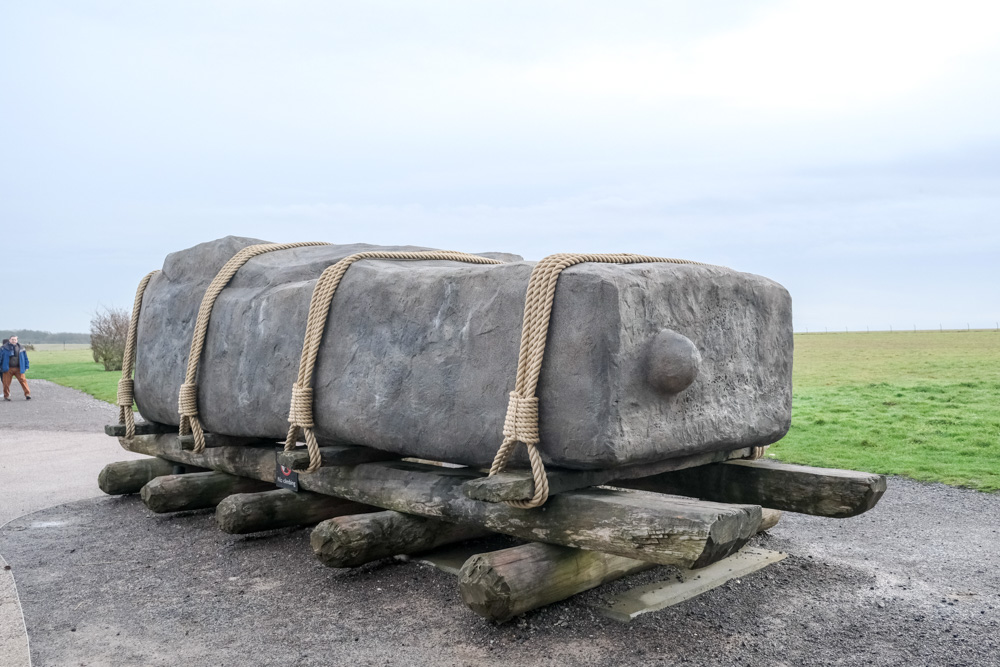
(925, 404)
(73, 368)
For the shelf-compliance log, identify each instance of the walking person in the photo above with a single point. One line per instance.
(13, 364)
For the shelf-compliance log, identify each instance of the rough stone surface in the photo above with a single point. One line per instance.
(418, 357)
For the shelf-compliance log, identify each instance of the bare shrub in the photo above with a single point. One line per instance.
(108, 333)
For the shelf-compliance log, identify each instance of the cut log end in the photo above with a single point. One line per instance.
(125, 477)
(243, 513)
(349, 541)
(193, 491)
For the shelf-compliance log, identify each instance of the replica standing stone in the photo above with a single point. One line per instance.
(643, 362)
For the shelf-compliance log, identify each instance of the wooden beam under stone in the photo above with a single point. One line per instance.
(349, 541)
(818, 491)
(195, 491)
(518, 484)
(141, 428)
(648, 526)
(335, 455)
(219, 440)
(500, 585)
(124, 477)
(243, 513)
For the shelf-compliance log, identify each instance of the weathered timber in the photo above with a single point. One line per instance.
(818, 491)
(253, 462)
(195, 491)
(503, 584)
(243, 513)
(349, 541)
(141, 428)
(335, 455)
(769, 518)
(663, 529)
(219, 440)
(124, 477)
(518, 484)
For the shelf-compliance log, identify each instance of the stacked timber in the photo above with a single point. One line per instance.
(581, 539)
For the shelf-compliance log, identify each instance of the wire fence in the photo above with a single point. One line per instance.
(895, 329)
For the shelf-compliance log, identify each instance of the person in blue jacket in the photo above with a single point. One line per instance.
(13, 363)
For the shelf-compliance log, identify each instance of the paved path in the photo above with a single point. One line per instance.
(51, 449)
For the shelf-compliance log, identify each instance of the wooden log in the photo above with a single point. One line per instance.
(124, 477)
(255, 462)
(336, 455)
(663, 529)
(518, 484)
(769, 518)
(503, 584)
(219, 440)
(818, 491)
(141, 428)
(349, 541)
(243, 513)
(195, 491)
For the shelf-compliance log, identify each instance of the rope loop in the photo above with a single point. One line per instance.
(126, 392)
(126, 387)
(300, 414)
(187, 403)
(521, 422)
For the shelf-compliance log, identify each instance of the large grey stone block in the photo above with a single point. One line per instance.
(643, 362)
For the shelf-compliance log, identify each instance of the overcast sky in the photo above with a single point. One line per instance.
(849, 150)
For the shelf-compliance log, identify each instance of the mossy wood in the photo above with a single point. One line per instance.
(349, 541)
(124, 477)
(335, 455)
(141, 428)
(502, 584)
(819, 491)
(663, 529)
(518, 484)
(217, 440)
(195, 491)
(243, 513)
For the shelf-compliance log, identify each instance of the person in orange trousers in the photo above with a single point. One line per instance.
(13, 364)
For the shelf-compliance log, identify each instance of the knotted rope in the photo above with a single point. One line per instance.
(126, 386)
(187, 399)
(300, 413)
(521, 422)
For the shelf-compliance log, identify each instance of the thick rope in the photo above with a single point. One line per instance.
(521, 422)
(300, 414)
(126, 386)
(187, 400)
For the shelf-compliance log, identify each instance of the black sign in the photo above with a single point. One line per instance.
(285, 478)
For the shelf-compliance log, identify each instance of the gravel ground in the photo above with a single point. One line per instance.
(104, 581)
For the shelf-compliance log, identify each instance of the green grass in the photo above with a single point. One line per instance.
(76, 369)
(925, 405)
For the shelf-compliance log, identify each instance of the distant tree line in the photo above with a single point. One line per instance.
(34, 336)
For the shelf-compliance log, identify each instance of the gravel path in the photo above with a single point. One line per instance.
(51, 449)
(105, 582)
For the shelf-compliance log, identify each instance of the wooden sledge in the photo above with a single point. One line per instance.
(597, 526)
